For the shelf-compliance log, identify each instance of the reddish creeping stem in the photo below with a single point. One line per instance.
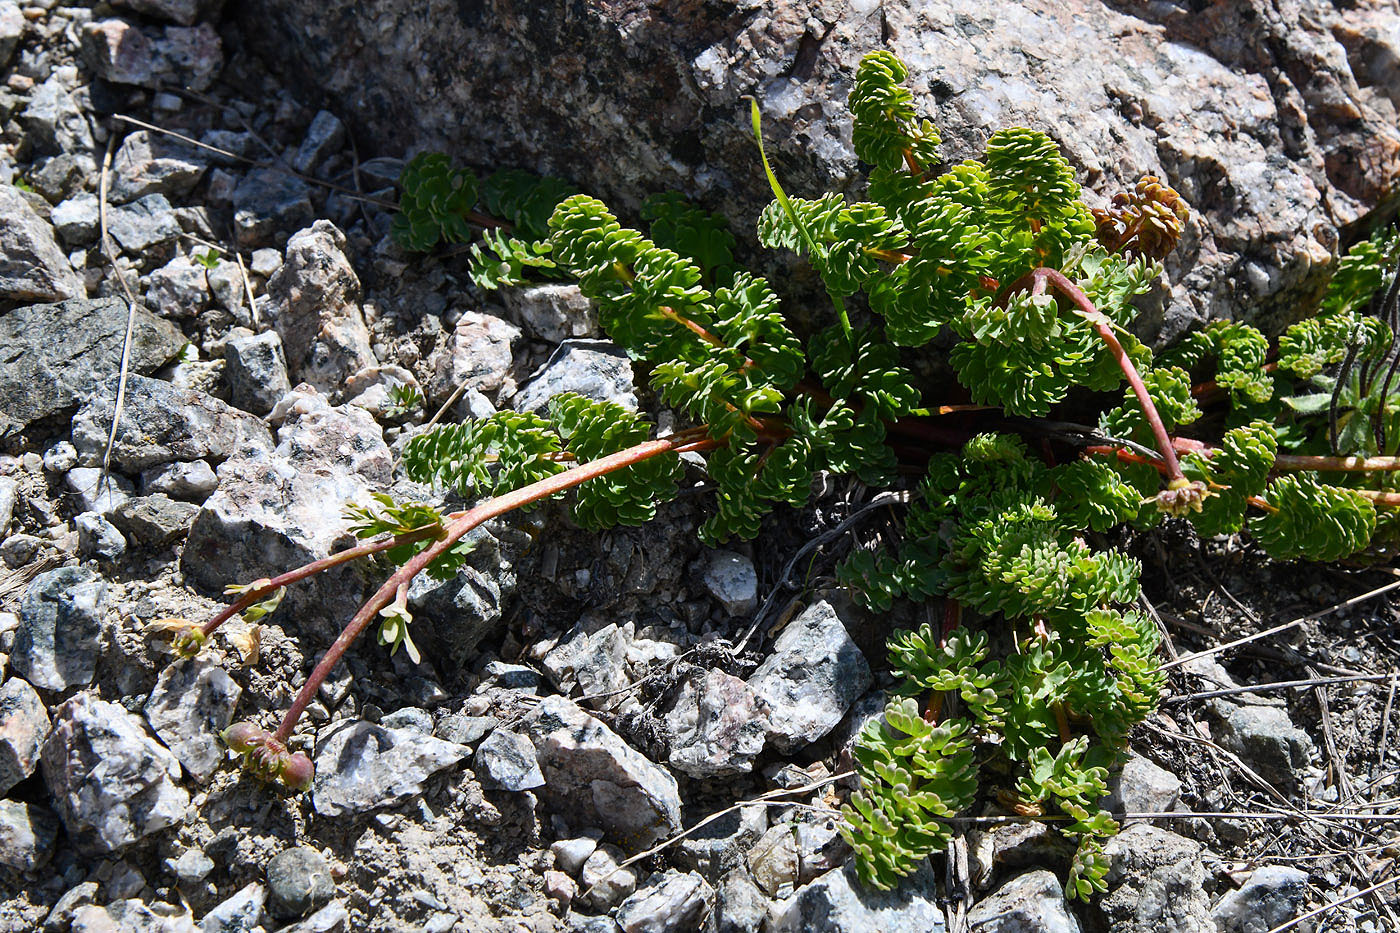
(1181, 495)
(455, 529)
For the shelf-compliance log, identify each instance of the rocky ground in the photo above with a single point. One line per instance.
(581, 702)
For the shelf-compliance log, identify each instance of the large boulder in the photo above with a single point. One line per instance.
(1275, 119)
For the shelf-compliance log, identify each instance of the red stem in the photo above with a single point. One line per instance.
(256, 595)
(458, 527)
(1036, 281)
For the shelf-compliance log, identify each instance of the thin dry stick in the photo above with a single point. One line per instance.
(884, 498)
(1283, 685)
(1370, 594)
(248, 290)
(1385, 724)
(1302, 918)
(110, 253)
(769, 797)
(309, 179)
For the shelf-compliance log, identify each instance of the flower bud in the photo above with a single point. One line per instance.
(243, 737)
(297, 771)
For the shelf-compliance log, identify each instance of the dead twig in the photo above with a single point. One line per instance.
(109, 251)
(882, 499)
(1331, 905)
(1210, 652)
(1283, 685)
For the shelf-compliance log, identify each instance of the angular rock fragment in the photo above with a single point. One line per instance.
(256, 371)
(240, 913)
(314, 303)
(60, 629)
(596, 369)
(148, 163)
(594, 776)
(1270, 897)
(1155, 882)
(161, 423)
(23, 724)
(507, 760)
(363, 767)
(32, 267)
(280, 509)
(52, 357)
(1031, 903)
(111, 782)
(267, 201)
(76, 219)
(1266, 739)
(143, 225)
(840, 902)
(55, 123)
(552, 313)
(669, 902)
(155, 521)
(812, 677)
(717, 727)
(184, 12)
(325, 135)
(178, 56)
(478, 354)
(192, 703)
(178, 289)
(92, 492)
(730, 578)
(28, 833)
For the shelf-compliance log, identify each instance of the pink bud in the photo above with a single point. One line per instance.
(243, 737)
(297, 771)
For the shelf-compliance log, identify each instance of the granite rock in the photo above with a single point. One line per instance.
(60, 629)
(23, 724)
(1031, 903)
(112, 783)
(150, 163)
(593, 775)
(595, 369)
(282, 508)
(813, 676)
(52, 357)
(256, 370)
(191, 704)
(314, 303)
(162, 423)
(1271, 896)
(1155, 883)
(717, 726)
(32, 267)
(180, 56)
(478, 354)
(362, 767)
(669, 902)
(838, 902)
(28, 835)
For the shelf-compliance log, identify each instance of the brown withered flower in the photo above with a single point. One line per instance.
(1147, 221)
